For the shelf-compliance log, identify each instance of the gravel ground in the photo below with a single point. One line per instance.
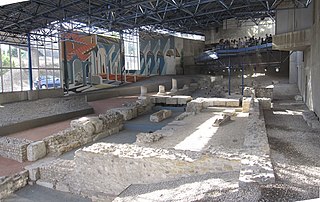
(29, 110)
(295, 150)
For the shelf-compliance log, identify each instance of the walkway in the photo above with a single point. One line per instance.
(295, 149)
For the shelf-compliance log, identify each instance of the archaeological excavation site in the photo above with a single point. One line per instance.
(159, 101)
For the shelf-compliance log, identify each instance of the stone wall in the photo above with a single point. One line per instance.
(256, 166)
(83, 131)
(132, 110)
(109, 168)
(14, 148)
(261, 92)
(201, 103)
(11, 184)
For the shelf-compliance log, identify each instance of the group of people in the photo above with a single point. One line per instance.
(243, 42)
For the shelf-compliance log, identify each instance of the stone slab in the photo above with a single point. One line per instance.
(36, 150)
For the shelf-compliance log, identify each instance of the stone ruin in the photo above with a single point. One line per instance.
(103, 171)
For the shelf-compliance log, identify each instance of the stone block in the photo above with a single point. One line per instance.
(298, 98)
(221, 120)
(172, 101)
(194, 106)
(247, 92)
(45, 184)
(182, 99)
(96, 79)
(246, 102)
(127, 112)
(160, 115)
(148, 137)
(265, 103)
(34, 173)
(83, 123)
(36, 150)
(232, 103)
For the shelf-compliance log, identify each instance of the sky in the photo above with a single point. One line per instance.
(5, 2)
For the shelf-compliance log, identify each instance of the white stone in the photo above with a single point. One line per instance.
(45, 184)
(162, 90)
(96, 79)
(183, 99)
(246, 104)
(160, 115)
(36, 150)
(298, 98)
(174, 88)
(143, 93)
(34, 173)
(171, 101)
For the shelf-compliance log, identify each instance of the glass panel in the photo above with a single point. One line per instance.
(49, 58)
(5, 56)
(25, 79)
(48, 44)
(0, 80)
(55, 44)
(42, 58)
(35, 57)
(7, 80)
(35, 79)
(16, 79)
(24, 58)
(56, 59)
(15, 61)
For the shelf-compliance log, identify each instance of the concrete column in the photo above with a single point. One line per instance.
(143, 93)
(162, 90)
(295, 60)
(174, 88)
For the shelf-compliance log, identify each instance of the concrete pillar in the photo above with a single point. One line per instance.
(162, 90)
(143, 93)
(295, 62)
(174, 88)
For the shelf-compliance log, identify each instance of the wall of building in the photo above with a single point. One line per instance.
(294, 19)
(306, 62)
(233, 29)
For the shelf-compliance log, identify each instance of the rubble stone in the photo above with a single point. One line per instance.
(14, 148)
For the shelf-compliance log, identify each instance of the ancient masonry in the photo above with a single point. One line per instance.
(123, 165)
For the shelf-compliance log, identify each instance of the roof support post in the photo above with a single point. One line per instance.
(30, 62)
(65, 66)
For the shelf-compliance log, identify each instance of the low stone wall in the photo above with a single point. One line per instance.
(261, 92)
(256, 166)
(10, 184)
(132, 110)
(109, 168)
(171, 100)
(201, 103)
(83, 131)
(14, 148)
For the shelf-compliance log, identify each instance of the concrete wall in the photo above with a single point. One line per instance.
(232, 29)
(31, 95)
(306, 65)
(294, 19)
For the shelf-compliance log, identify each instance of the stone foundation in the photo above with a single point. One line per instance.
(171, 100)
(261, 92)
(256, 166)
(8, 185)
(83, 131)
(110, 168)
(14, 148)
(201, 103)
